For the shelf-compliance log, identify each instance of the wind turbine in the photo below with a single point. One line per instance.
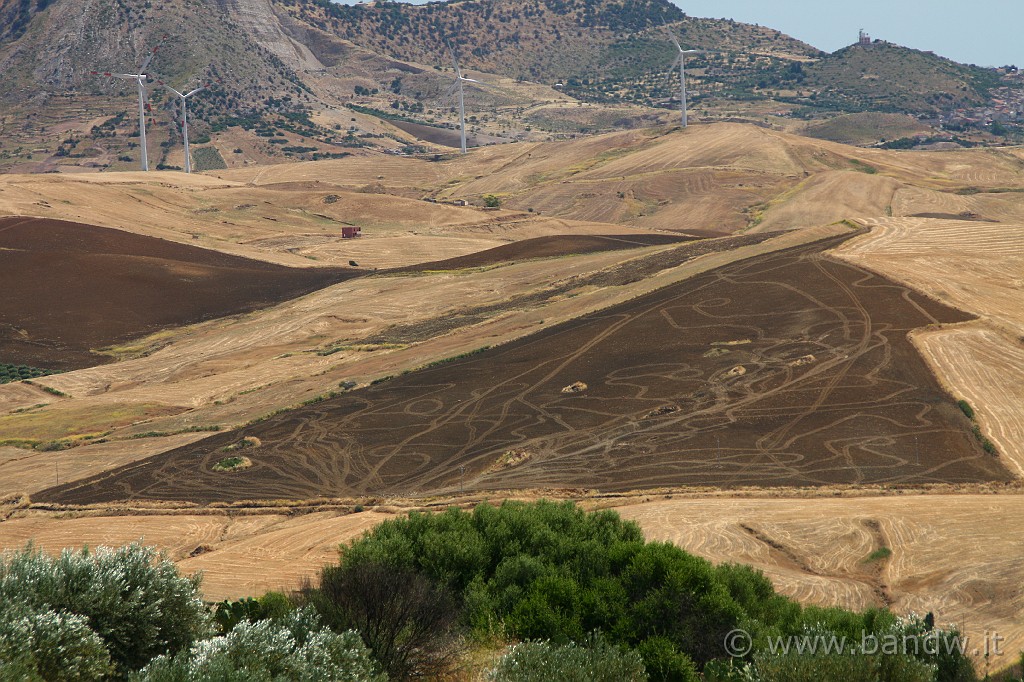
(457, 87)
(681, 61)
(140, 80)
(184, 116)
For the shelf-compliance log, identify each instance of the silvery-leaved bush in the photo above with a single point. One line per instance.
(130, 599)
(49, 645)
(296, 648)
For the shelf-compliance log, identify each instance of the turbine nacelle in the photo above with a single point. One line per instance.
(183, 96)
(456, 88)
(140, 78)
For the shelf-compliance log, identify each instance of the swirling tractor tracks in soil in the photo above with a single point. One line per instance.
(785, 369)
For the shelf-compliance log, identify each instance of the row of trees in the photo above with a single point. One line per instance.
(584, 595)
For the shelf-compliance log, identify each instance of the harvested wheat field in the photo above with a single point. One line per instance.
(238, 555)
(784, 369)
(70, 289)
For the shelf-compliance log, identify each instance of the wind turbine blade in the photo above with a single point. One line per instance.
(149, 58)
(471, 80)
(168, 87)
(672, 37)
(152, 53)
(455, 61)
(199, 89)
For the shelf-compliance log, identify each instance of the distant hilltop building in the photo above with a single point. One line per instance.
(864, 39)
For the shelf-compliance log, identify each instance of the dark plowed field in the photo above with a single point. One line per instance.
(785, 369)
(69, 288)
(443, 136)
(549, 247)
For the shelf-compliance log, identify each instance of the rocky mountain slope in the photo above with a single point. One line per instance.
(309, 79)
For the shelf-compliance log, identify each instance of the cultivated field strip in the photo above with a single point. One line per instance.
(105, 286)
(986, 368)
(784, 369)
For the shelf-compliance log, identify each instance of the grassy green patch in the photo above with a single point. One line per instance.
(862, 167)
(236, 463)
(879, 554)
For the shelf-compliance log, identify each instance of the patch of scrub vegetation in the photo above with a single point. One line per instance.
(880, 554)
(512, 458)
(236, 463)
(247, 442)
(163, 434)
(208, 158)
(361, 347)
(9, 373)
(862, 167)
(46, 389)
(987, 445)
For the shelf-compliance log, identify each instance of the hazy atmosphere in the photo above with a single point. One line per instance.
(988, 35)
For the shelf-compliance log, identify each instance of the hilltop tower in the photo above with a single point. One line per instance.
(865, 39)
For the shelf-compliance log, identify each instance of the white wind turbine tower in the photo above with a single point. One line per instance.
(681, 61)
(184, 116)
(457, 87)
(140, 80)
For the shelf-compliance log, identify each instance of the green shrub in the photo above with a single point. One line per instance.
(296, 647)
(135, 602)
(664, 662)
(271, 606)
(552, 572)
(50, 645)
(492, 201)
(407, 621)
(599, 661)
(966, 408)
(878, 555)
